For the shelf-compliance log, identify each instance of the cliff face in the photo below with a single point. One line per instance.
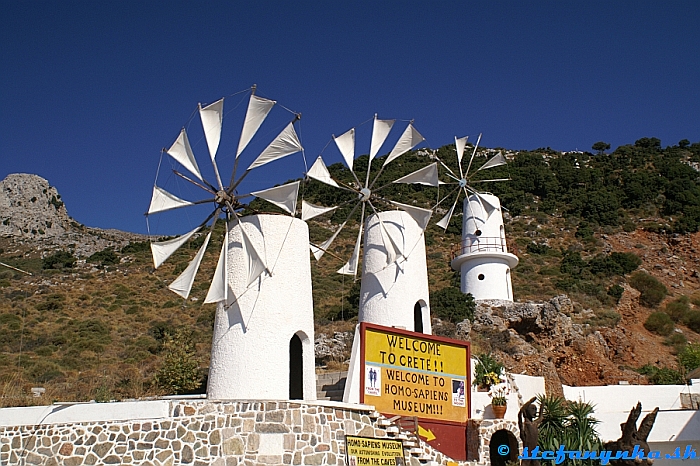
(31, 208)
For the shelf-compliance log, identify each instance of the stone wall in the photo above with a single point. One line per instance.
(201, 432)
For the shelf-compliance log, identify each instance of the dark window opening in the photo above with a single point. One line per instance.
(481, 276)
(296, 369)
(418, 318)
(503, 448)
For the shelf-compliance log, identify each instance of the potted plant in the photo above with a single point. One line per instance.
(487, 371)
(499, 402)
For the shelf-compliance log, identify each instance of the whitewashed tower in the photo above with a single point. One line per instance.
(262, 347)
(483, 258)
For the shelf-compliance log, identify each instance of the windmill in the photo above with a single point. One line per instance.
(463, 183)
(482, 258)
(364, 194)
(223, 199)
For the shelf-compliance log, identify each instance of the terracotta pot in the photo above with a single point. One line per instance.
(499, 410)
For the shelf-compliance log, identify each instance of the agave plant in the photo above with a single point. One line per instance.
(568, 423)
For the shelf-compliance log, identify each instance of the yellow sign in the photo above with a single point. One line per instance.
(413, 375)
(372, 451)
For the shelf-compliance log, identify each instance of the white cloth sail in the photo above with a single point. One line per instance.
(286, 143)
(161, 251)
(495, 161)
(256, 266)
(319, 171)
(318, 251)
(284, 196)
(488, 207)
(460, 143)
(182, 152)
(408, 140)
(212, 117)
(218, 290)
(309, 211)
(445, 221)
(380, 130)
(420, 215)
(346, 146)
(426, 175)
(258, 108)
(161, 200)
(350, 268)
(183, 283)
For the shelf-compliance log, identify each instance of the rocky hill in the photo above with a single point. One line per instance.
(95, 320)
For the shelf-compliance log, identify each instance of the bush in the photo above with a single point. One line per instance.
(540, 249)
(652, 291)
(452, 305)
(659, 323)
(52, 302)
(104, 257)
(60, 260)
(692, 320)
(678, 309)
(616, 292)
(662, 375)
(689, 357)
(179, 373)
(627, 261)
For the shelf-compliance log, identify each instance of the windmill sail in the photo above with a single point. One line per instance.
(426, 175)
(182, 152)
(421, 216)
(350, 268)
(212, 118)
(496, 161)
(346, 146)
(445, 221)
(182, 285)
(258, 108)
(284, 196)
(460, 143)
(161, 251)
(309, 211)
(218, 290)
(286, 143)
(319, 171)
(408, 140)
(161, 200)
(380, 130)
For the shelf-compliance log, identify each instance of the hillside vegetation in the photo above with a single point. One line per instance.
(616, 232)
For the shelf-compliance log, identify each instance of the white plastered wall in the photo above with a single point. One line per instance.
(250, 345)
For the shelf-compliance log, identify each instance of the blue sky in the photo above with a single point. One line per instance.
(91, 91)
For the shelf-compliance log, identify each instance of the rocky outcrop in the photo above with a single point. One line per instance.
(31, 208)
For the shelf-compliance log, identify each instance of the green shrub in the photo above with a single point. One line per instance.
(678, 308)
(487, 370)
(662, 375)
(540, 249)
(692, 321)
(59, 260)
(179, 373)
(677, 340)
(689, 357)
(659, 323)
(52, 302)
(628, 261)
(453, 305)
(616, 291)
(652, 291)
(104, 257)
(137, 247)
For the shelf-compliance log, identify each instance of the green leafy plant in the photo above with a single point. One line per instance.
(662, 375)
(499, 393)
(59, 260)
(179, 373)
(487, 371)
(453, 305)
(652, 291)
(689, 357)
(659, 323)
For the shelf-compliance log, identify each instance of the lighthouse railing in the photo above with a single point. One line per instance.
(473, 244)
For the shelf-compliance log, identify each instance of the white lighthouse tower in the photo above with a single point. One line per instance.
(482, 257)
(263, 342)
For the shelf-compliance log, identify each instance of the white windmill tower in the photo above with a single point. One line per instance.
(394, 288)
(263, 261)
(390, 281)
(482, 257)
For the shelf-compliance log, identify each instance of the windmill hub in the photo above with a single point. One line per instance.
(223, 198)
(365, 194)
(462, 183)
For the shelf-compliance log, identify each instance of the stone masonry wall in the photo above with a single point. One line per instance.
(204, 432)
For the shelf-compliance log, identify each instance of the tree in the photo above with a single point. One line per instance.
(601, 147)
(683, 143)
(451, 304)
(180, 372)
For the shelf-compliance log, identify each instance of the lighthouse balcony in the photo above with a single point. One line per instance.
(475, 244)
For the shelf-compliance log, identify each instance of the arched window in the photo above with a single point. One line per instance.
(418, 318)
(296, 369)
(503, 448)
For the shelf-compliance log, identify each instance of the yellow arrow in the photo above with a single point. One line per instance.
(428, 434)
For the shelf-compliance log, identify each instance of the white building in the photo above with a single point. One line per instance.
(483, 258)
(263, 342)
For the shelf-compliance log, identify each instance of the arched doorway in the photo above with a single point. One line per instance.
(296, 369)
(418, 318)
(503, 447)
